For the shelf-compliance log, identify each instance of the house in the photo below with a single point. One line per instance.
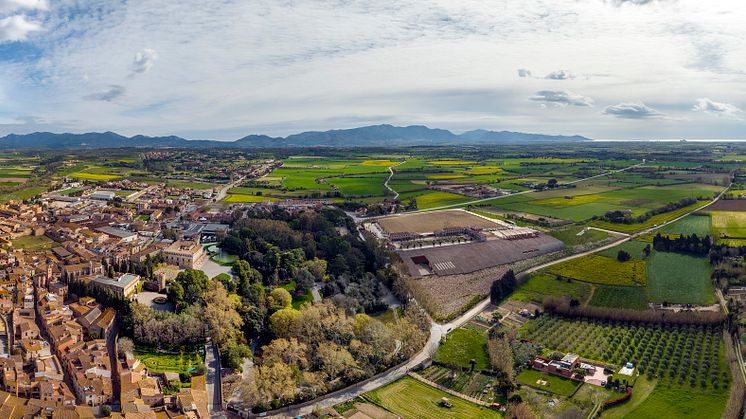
(564, 367)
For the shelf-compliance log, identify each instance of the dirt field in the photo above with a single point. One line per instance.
(470, 257)
(728, 205)
(433, 221)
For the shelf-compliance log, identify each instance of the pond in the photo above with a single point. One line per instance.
(221, 256)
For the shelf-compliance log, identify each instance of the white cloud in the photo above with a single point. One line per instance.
(113, 92)
(16, 28)
(633, 111)
(707, 105)
(560, 75)
(562, 98)
(234, 67)
(144, 60)
(13, 5)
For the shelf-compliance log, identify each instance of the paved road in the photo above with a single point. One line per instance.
(214, 391)
(224, 190)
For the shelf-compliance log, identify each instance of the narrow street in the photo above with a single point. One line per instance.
(214, 390)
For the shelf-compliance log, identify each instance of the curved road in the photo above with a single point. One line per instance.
(386, 183)
(438, 330)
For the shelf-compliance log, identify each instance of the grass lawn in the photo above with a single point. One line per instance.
(159, 361)
(681, 402)
(641, 391)
(543, 285)
(602, 270)
(33, 243)
(678, 278)
(558, 385)
(463, 345)
(569, 235)
(616, 296)
(410, 398)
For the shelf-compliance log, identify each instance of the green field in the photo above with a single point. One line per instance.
(569, 235)
(681, 402)
(93, 176)
(678, 278)
(33, 243)
(731, 224)
(633, 247)
(158, 361)
(410, 398)
(691, 224)
(176, 183)
(543, 285)
(463, 345)
(616, 296)
(557, 385)
(601, 270)
(23, 194)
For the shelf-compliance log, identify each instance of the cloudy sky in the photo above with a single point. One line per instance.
(221, 69)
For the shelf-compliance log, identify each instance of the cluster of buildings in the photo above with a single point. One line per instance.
(58, 356)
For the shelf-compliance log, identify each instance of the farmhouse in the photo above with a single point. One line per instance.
(564, 367)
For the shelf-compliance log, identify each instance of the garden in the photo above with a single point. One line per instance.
(463, 345)
(548, 382)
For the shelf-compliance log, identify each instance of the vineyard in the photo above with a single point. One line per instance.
(676, 354)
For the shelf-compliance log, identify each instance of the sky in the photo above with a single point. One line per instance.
(223, 69)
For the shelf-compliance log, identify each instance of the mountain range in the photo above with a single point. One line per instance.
(374, 135)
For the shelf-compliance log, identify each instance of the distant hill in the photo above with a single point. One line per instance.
(374, 135)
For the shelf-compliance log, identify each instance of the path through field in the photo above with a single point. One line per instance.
(391, 175)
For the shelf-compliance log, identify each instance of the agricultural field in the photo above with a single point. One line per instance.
(461, 346)
(678, 278)
(697, 223)
(729, 224)
(575, 235)
(601, 270)
(682, 367)
(543, 285)
(615, 296)
(677, 355)
(410, 398)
